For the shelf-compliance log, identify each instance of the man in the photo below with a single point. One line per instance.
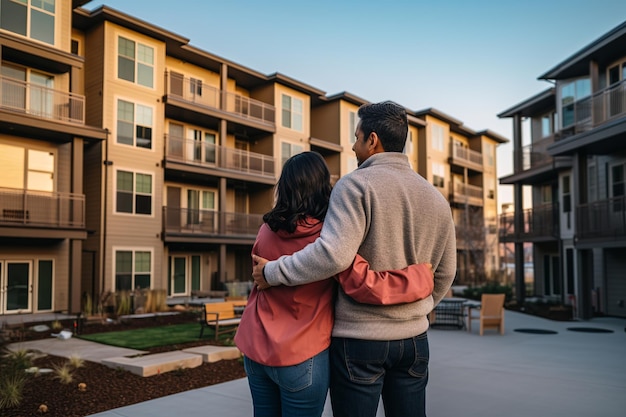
(393, 217)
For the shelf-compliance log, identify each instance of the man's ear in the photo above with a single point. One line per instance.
(373, 140)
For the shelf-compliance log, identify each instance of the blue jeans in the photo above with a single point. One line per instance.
(298, 390)
(363, 370)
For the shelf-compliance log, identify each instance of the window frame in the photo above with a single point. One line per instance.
(137, 63)
(290, 117)
(438, 134)
(291, 152)
(138, 110)
(31, 27)
(437, 176)
(133, 272)
(134, 194)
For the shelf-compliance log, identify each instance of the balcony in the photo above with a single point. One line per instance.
(23, 211)
(42, 102)
(466, 158)
(605, 219)
(466, 194)
(188, 225)
(210, 155)
(536, 154)
(206, 97)
(540, 224)
(603, 106)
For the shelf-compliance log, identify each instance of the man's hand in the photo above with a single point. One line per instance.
(257, 272)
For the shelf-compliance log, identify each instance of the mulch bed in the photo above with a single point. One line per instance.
(108, 388)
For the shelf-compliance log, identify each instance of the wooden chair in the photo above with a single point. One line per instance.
(491, 313)
(221, 317)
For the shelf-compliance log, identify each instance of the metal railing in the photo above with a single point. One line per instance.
(536, 154)
(194, 91)
(41, 101)
(41, 209)
(601, 219)
(465, 154)
(211, 155)
(538, 222)
(467, 193)
(209, 222)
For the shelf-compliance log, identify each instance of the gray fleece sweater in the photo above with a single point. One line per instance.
(392, 217)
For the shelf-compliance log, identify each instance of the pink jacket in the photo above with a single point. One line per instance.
(284, 326)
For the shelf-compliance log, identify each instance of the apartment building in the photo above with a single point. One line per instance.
(43, 137)
(138, 161)
(574, 163)
(461, 163)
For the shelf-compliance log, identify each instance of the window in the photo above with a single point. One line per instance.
(195, 87)
(287, 150)
(567, 196)
(32, 18)
(292, 112)
(439, 175)
(491, 188)
(353, 123)
(132, 269)
(438, 137)
(28, 90)
(134, 193)
(546, 125)
(200, 206)
(135, 62)
(201, 146)
(546, 194)
(617, 180)
(134, 124)
(45, 273)
(572, 93)
(28, 169)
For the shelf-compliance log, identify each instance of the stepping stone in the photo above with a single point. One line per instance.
(157, 363)
(212, 353)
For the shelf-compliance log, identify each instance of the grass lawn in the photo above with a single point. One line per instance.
(154, 336)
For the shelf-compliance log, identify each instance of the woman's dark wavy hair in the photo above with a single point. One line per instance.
(303, 190)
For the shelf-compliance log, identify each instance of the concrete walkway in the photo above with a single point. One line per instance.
(567, 374)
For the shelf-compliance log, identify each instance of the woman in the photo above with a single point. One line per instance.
(285, 332)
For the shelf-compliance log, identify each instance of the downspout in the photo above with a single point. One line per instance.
(103, 235)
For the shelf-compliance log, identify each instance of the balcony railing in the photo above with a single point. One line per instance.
(209, 222)
(536, 154)
(468, 155)
(203, 95)
(466, 193)
(41, 101)
(593, 111)
(211, 155)
(601, 219)
(538, 222)
(41, 209)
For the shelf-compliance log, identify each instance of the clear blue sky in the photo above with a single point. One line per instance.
(468, 59)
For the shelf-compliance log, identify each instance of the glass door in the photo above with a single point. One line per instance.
(178, 275)
(17, 287)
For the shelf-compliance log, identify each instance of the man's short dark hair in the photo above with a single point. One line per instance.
(388, 120)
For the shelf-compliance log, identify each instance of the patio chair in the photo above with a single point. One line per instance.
(432, 314)
(491, 313)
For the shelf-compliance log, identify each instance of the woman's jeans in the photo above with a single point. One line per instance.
(298, 390)
(363, 370)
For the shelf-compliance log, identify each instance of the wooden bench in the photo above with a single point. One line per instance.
(219, 315)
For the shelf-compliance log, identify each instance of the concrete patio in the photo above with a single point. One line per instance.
(566, 374)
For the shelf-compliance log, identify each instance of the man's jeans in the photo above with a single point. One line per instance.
(363, 370)
(298, 390)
